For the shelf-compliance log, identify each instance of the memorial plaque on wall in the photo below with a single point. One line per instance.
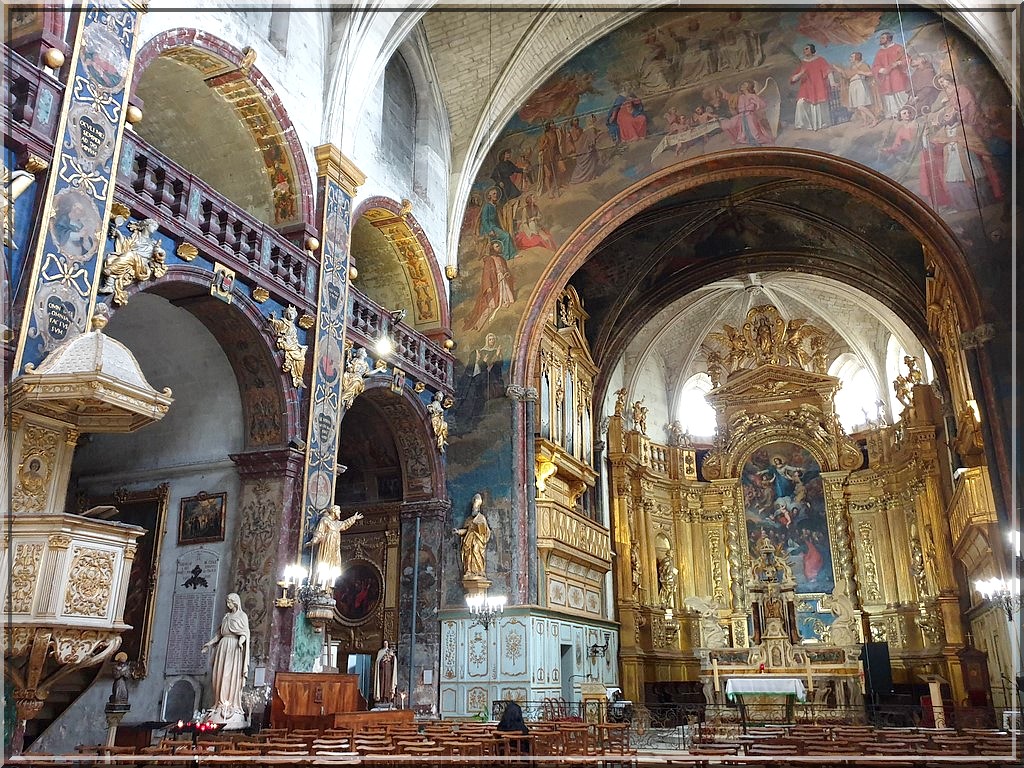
(192, 611)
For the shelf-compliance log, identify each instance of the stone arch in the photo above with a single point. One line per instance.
(270, 404)
(406, 416)
(388, 246)
(226, 70)
(830, 171)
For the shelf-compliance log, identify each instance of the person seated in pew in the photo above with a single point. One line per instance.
(512, 722)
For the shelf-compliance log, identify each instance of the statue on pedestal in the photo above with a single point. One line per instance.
(476, 533)
(327, 540)
(385, 677)
(230, 666)
(119, 688)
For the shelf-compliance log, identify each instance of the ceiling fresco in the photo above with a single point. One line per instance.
(920, 107)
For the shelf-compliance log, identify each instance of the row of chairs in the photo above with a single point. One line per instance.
(865, 741)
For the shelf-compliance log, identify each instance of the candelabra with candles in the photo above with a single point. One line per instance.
(1005, 592)
(316, 596)
(485, 608)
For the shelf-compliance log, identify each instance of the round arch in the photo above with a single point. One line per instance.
(393, 234)
(230, 72)
(406, 416)
(828, 170)
(270, 404)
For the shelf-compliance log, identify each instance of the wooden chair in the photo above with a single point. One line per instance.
(614, 739)
(576, 739)
(337, 733)
(461, 747)
(425, 749)
(291, 752)
(547, 743)
(335, 745)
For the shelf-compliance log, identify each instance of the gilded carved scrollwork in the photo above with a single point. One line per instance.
(766, 339)
(90, 582)
(81, 646)
(869, 568)
(17, 641)
(23, 574)
(38, 455)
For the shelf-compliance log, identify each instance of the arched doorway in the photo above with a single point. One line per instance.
(389, 589)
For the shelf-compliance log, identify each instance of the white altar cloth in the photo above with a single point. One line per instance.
(779, 686)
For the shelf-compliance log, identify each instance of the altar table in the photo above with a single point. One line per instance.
(763, 699)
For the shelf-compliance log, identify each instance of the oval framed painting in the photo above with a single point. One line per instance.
(358, 591)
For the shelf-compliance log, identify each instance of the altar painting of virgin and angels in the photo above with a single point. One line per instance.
(783, 501)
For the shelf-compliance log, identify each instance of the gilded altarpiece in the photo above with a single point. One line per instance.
(868, 549)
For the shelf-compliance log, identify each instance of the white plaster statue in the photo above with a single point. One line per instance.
(230, 666)
(844, 628)
(712, 633)
(385, 677)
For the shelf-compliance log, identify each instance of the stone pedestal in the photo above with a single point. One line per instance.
(115, 714)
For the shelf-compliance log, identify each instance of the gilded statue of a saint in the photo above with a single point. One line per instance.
(287, 335)
(353, 381)
(135, 258)
(475, 535)
(436, 410)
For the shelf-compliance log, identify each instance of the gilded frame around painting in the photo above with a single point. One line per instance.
(202, 518)
(147, 508)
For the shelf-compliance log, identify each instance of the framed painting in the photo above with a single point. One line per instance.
(784, 501)
(146, 509)
(202, 518)
(358, 591)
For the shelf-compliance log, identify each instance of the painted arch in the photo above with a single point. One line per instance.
(235, 104)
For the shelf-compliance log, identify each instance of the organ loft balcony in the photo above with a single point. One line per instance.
(198, 226)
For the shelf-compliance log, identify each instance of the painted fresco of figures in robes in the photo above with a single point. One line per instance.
(497, 288)
(483, 380)
(812, 76)
(890, 71)
(750, 123)
(490, 224)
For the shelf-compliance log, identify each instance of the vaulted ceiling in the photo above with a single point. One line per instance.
(684, 267)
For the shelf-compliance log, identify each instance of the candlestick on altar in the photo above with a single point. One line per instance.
(714, 668)
(860, 664)
(810, 678)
